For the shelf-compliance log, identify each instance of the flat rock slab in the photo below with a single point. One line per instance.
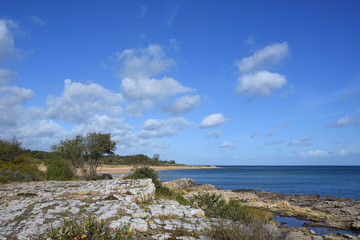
(31, 208)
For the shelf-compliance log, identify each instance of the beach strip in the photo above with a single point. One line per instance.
(116, 169)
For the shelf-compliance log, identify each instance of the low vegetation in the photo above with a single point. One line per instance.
(240, 222)
(89, 228)
(145, 172)
(237, 230)
(138, 160)
(15, 164)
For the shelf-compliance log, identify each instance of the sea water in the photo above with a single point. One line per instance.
(335, 181)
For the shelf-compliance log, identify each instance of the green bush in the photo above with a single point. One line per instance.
(89, 228)
(10, 150)
(143, 173)
(251, 231)
(15, 164)
(212, 204)
(24, 170)
(215, 206)
(166, 193)
(58, 169)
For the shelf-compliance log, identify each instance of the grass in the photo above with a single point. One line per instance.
(89, 228)
(166, 193)
(255, 230)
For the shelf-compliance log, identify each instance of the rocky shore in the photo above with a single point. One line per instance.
(31, 208)
(327, 212)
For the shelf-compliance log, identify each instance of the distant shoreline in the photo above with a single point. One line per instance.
(117, 169)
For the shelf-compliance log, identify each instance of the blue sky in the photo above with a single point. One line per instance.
(198, 82)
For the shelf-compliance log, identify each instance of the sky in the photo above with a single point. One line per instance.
(198, 82)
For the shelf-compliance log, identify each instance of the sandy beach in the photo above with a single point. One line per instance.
(115, 169)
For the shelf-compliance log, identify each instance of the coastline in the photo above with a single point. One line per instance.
(118, 169)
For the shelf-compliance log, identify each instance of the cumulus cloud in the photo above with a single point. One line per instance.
(254, 79)
(213, 120)
(303, 142)
(163, 128)
(228, 145)
(182, 105)
(7, 49)
(214, 134)
(264, 58)
(147, 88)
(271, 132)
(260, 83)
(80, 101)
(143, 62)
(344, 122)
(138, 70)
(6, 76)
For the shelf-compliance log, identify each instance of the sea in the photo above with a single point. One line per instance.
(335, 181)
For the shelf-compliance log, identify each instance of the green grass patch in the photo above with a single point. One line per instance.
(166, 193)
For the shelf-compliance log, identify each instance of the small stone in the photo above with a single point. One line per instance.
(312, 232)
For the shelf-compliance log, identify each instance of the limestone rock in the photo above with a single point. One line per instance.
(179, 184)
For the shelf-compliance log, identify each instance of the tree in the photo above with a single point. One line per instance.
(73, 150)
(10, 150)
(97, 145)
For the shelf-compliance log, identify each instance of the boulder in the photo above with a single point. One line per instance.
(180, 184)
(107, 176)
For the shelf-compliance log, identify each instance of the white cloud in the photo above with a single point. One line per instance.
(143, 62)
(7, 49)
(6, 76)
(100, 123)
(227, 145)
(147, 88)
(345, 121)
(163, 128)
(213, 120)
(303, 142)
(183, 105)
(214, 134)
(11, 96)
(261, 83)
(37, 20)
(271, 132)
(264, 58)
(79, 101)
(139, 66)
(323, 153)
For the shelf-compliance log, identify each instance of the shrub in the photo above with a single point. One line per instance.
(58, 169)
(143, 173)
(88, 228)
(10, 150)
(212, 204)
(251, 231)
(23, 170)
(166, 193)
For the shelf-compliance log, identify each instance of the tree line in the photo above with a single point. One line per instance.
(72, 158)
